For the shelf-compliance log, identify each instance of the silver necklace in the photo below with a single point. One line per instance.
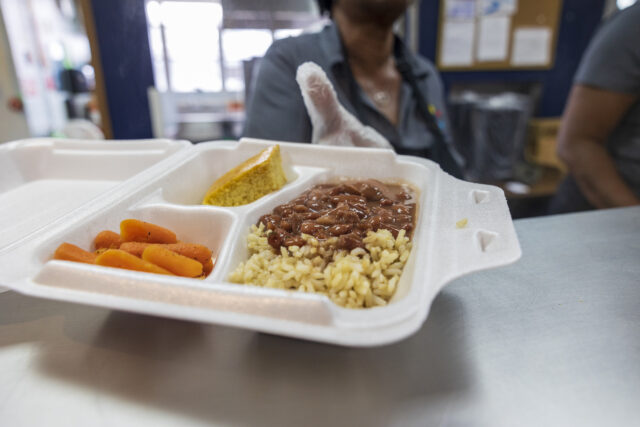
(382, 98)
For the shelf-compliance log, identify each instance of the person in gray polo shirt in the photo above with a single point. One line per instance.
(376, 78)
(599, 137)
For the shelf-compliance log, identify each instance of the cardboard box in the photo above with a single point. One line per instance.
(542, 143)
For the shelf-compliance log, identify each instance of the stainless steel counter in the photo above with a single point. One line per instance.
(553, 340)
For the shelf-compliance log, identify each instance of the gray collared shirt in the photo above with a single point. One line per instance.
(612, 63)
(276, 109)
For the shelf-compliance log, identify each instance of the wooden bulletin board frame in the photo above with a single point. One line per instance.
(529, 14)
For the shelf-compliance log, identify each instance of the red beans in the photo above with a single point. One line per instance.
(275, 239)
(294, 241)
(350, 241)
(327, 219)
(286, 225)
(308, 227)
(346, 210)
(401, 209)
(312, 215)
(339, 229)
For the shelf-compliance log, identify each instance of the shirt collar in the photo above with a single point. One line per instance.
(332, 46)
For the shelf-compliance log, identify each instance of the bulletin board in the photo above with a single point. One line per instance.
(497, 34)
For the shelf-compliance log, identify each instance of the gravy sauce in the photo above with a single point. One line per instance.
(346, 210)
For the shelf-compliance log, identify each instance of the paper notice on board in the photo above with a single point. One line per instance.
(498, 7)
(493, 38)
(460, 9)
(531, 46)
(457, 43)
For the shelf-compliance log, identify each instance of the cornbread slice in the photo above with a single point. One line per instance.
(250, 180)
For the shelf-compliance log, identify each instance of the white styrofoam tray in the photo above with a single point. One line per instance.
(43, 179)
(169, 192)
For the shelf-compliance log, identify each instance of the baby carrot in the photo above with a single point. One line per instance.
(172, 261)
(134, 248)
(107, 239)
(69, 252)
(121, 259)
(207, 267)
(191, 250)
(133, 230)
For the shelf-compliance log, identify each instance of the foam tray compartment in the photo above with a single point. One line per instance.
(43, 179)
(169, 194)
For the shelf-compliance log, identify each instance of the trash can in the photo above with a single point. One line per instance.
(490, 131)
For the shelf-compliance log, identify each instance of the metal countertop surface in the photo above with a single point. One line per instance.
(552, 340)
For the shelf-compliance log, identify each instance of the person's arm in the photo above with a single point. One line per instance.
(276, 110)
(589, 118)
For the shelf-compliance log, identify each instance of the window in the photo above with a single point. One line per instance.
(239, 45)
(197, 46)
(623, 4)
(286, 32)
(185, 46)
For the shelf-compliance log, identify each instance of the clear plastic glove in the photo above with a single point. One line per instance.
(332, 123)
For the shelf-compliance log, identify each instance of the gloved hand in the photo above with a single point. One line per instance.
(332, 123)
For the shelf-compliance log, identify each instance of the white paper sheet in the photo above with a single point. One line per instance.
(498, 7)
(531, 46)
(460, 9)
(493, 38)
(457, 43)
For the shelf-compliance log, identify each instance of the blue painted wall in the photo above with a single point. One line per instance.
(126, 63)
(579, 20)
